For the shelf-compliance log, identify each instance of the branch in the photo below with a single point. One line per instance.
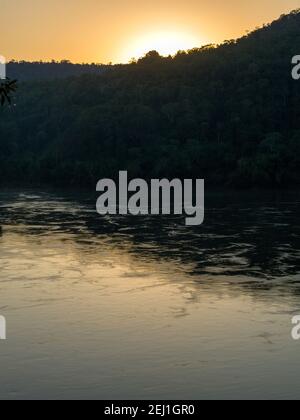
(7, 87)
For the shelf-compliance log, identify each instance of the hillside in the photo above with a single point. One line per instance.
(37, 71)
(228, 113)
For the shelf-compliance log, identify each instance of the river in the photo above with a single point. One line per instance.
(145, 307)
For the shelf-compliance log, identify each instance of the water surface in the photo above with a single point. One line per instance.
(145, 307)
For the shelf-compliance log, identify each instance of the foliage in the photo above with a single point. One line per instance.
(38, 70)
(7, 87)
(228, 113)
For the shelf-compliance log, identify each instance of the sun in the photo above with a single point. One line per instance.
(164, 42)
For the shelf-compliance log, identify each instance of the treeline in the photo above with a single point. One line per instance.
(39, 70)
(228, 113)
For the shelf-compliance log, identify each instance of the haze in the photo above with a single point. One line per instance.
(118, 30)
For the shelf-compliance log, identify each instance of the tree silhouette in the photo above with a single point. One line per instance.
(227, 113)
(7, 87)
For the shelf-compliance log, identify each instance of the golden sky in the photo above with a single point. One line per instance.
(117, 30)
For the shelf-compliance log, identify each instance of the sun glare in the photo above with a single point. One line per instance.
(165, 43)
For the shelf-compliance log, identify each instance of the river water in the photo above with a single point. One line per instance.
(145, 307)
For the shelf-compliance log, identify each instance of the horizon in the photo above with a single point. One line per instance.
(198, 27)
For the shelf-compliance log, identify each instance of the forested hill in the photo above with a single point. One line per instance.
(230, 114)
(28, 71)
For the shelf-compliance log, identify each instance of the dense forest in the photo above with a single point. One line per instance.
(228, 113)
(37, 71)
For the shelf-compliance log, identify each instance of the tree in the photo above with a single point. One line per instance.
(151, 57)
(7, 87)
(229, 114)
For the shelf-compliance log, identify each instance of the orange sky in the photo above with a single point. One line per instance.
(116, 30)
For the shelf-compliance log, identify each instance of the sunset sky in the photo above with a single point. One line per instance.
(117, 30)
